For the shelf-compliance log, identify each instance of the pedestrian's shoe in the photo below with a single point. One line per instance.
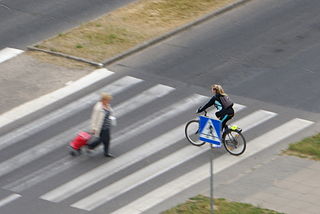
(109, 155)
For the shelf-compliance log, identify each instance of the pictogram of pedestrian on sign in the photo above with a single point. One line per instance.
(210, 130)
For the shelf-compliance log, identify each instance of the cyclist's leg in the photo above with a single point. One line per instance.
(225, 119)
(224, 116)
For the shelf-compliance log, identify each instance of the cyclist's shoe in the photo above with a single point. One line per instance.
(235, 128)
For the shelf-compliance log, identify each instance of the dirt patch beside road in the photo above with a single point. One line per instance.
(129, 26)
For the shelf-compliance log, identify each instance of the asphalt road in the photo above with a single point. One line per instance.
(268, 54)
(265, 55)
(25, 23)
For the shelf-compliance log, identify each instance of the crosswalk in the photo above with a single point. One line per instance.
(154, 140)
(8, 53)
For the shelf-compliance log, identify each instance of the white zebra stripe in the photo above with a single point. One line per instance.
(255, 119)
(9, 199)
(8, 53)
(25, 131)
(189, 179)
(45, 100)
(143, 98)
(80, 183)
(131, 131)
(149, 172)
(42, 174)
(58, 141)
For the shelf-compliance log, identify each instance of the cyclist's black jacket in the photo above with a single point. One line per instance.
(215, 100)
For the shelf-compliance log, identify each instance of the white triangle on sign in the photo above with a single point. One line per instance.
(209, 132)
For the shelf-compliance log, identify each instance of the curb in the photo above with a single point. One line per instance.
(172, 33)
(66, 56)
(148, 43)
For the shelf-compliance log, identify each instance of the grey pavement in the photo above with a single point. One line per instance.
(24, 78)
(283, 183)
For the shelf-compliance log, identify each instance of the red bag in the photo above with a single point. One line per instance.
(80, 140)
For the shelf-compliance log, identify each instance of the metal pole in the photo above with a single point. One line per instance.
(211, 179)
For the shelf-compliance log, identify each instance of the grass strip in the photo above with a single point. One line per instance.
(307, 148)
(129, 26)
(201, 205)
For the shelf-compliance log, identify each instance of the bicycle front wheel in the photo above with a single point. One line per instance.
(234, 142)
(192, 133)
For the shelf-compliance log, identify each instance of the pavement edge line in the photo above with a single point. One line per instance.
(66, 56)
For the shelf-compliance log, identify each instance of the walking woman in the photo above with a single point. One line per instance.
(101, 123)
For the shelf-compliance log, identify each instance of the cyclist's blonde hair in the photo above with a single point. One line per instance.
(219, 89)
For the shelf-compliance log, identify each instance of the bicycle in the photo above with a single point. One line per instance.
(232, 138)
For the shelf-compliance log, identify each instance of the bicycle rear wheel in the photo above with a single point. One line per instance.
(192, 133)
(234, 142)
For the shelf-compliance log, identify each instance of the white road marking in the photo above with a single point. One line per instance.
(254, 119)
(139, 177)
(45, 100)
(238, 107)
(80, 183)
(189, 179)
(130, 131)
(9, 199)
(42, 123)
(149, 172)
(143, 98)
(8, 53)
(158, 117)
(105, 170)
(42, 174)
(60, 140)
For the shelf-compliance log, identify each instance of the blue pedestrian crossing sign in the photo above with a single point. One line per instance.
(210, 130)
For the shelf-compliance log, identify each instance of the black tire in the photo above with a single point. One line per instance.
(234, 142)
(192, 133)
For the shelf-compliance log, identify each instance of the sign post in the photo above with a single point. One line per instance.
(210, 131)
(211, 179)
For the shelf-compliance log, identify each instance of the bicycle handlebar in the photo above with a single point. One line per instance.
(205, 112)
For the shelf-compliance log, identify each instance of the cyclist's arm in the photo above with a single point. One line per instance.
(208, 104)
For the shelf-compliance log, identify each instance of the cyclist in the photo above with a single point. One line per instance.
(222, 103)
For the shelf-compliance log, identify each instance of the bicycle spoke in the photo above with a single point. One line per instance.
(192, 133)
(234, 142)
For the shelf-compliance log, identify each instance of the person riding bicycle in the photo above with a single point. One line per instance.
(223, 104)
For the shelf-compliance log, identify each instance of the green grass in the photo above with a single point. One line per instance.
(201, 205)
(307, 148)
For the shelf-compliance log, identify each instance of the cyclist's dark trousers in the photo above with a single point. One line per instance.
(225, 115)
(104, 138)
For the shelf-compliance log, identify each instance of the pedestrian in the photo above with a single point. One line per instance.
(223, 104)
(101, 123)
